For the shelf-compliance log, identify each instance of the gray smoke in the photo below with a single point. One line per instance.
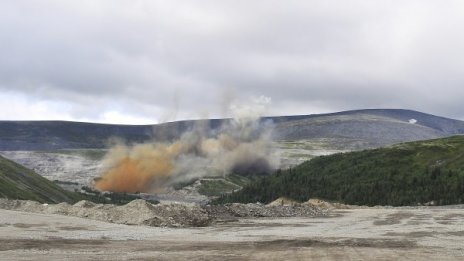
(242, 145)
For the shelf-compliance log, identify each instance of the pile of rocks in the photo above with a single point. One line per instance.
(141, 212)
(137, 212)
(259, 210)
(327, 205)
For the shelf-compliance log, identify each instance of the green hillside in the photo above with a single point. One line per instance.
(19, 182)
(404, 174)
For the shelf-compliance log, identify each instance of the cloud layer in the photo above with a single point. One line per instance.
(149, 61)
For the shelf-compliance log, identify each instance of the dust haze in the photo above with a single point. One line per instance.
(242, 145)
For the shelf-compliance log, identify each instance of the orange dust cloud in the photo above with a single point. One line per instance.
(138, 169)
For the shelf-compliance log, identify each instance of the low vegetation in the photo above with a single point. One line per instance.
(425, 172)
(19, 182)
(216, 187)
(117, 198)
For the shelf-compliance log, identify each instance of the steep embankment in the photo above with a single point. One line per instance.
(18, 182)
(403, 174)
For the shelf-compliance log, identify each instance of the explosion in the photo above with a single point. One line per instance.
(134, 169)
(241, 146)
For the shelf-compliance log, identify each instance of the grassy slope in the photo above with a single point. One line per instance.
(218, 186)
(18, 182)
(403, 174)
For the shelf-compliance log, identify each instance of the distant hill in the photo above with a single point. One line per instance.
(52, 135)
(403, 174)
(364, 128)
(368, 128)
(18, 182)
(48, 135)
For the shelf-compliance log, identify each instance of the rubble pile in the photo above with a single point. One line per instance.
(137, 212)
(141, 212)
(251, 210)
(327, 205)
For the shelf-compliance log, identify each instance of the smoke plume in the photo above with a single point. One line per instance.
(242, 145)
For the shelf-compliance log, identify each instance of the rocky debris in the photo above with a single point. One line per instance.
(326, 205)
(251, 210)
(137, 212)
(85, 204)
(141, 212)
(283, 202)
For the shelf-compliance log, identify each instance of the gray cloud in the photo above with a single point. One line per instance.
(147, 58)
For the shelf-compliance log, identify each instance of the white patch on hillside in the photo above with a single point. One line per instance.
(413, 121)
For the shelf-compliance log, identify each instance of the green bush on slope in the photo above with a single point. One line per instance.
(404, 174)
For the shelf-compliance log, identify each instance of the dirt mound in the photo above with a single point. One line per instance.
(84, 204)
(325, 205)
(137, 212)
(283, 202)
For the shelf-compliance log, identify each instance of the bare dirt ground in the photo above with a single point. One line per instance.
(351, 234)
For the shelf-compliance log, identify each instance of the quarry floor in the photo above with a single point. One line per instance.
(354, 234)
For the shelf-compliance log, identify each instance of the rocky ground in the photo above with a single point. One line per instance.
(426, 233)
(250, 210)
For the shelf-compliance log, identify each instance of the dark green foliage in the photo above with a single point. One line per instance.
(240, 180)
(404, 174)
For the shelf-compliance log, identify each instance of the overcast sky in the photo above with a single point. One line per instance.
(139, 62)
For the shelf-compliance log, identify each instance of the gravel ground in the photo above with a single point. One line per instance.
(350, 234)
